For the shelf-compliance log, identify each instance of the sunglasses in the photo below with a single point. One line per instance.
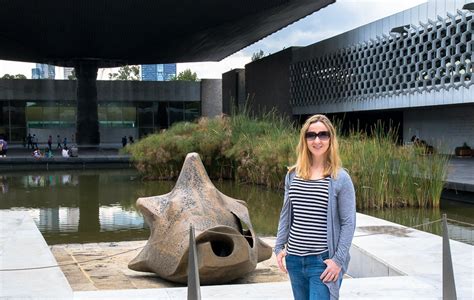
(322, 135)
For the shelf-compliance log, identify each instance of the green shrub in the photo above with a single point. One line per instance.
(259, 150)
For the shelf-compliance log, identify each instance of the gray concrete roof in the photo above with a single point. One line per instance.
(140, 32)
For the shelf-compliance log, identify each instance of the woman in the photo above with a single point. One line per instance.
(37, 153)
(317, 221)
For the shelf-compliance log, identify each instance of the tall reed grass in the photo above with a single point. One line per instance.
(388, 175)
(259, 150)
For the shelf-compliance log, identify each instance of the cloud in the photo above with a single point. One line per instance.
(296, 38)
(14, 67)
(211, 70)
(342, 16)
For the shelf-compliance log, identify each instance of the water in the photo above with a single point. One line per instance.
(99, 206)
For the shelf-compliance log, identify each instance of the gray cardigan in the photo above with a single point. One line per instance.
(341, 217)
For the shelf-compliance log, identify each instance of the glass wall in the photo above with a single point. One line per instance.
(146, 118)
(50, 114)
(16, 117)
(183, 111)
(175, 112)
(192, 110)
(117, 114)
(12, 120)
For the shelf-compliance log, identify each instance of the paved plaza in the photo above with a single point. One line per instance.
(402, 263)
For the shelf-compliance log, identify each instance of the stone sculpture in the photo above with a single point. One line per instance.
(227, 246)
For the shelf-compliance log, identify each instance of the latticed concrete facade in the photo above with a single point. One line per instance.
(432, 56)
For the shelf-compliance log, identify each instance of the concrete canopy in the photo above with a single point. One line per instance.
(119, 32)
(92, 34)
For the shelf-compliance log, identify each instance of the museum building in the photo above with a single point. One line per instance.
(413, 69)
(126, 108)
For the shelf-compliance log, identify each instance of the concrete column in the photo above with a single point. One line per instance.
(87, 122)
(211, 97)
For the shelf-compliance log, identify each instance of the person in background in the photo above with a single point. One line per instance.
(48, 153)
(58, 140)
(415, 140)
(65, 142)
(37, 153)
(29, 141)
(317, 220)
(50, 142)
(65, 152)
(73, 151)
(35, 140)
(130, 139)
(3, 147)
(124, 141)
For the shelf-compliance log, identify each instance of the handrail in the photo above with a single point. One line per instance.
(194, 287)
(449, 286)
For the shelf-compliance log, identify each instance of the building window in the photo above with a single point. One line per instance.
(175, 112)
(192, 110)
(117, 114)
(67, 115)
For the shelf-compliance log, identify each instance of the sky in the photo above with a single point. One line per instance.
(342, 16)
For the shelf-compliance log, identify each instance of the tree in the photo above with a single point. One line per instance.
(258, 55)
(72, 76)
(17, 76)
(186, 75)
(126, 73)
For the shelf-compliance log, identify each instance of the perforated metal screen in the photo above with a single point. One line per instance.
(419, 58)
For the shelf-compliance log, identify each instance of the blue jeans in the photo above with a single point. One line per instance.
(304, 274)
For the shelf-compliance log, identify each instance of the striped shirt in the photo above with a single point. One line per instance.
(309, 205)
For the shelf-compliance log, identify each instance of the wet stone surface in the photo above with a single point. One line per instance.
(390, 230)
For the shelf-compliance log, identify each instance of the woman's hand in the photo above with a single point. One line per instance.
(332, 271)
(280, 257)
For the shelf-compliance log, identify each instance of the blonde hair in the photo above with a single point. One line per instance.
(304, 157)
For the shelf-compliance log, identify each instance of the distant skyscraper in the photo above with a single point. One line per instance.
(169, 71)
(51, 72)
(68, 72)
(158, 72)
(45, 71)
(35, 73)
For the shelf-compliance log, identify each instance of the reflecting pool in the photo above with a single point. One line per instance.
(99, 206)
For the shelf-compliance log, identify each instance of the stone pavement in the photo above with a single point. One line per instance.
(23, 246)
(113, 273)
(400, 263)
(390, 262)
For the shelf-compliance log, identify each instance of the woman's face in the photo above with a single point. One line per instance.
(318, 139)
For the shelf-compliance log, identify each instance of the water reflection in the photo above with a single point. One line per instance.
(89, 204)
(81, 207)
(263, 204)
(99, 206)
(3, 184)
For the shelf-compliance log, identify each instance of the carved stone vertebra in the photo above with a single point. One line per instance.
(227, 246)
